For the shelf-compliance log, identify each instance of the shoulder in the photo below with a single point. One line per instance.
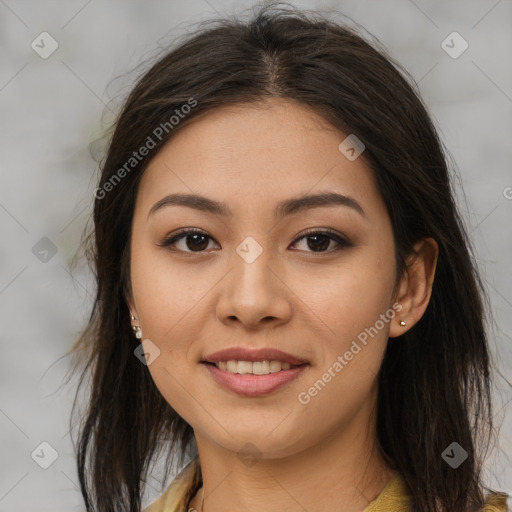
(395, 498)
(175, 497)
(496, 502)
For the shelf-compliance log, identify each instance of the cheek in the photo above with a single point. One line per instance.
(352, 295)
(352, 340)
(167, 303)
(163, 292)
(172, 303)
(350, 301)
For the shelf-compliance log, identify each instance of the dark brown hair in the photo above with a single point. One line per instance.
(434, 383)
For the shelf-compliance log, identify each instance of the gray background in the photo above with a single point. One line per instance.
(51, 109)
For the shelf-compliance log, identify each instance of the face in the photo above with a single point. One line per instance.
(312, 279)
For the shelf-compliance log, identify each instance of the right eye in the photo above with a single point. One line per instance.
(192, 240)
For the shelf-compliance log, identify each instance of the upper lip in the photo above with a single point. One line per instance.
(247, 354)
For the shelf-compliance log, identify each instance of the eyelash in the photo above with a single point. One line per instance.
(333, 235)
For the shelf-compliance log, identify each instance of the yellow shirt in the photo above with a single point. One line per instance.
(393, 498)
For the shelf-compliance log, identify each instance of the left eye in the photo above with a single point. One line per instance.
(320, 241)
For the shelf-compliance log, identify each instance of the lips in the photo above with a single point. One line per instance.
(253, 355)
(254, 385)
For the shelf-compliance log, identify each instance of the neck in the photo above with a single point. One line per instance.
(343, 473)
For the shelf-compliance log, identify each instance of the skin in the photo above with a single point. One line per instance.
(312, 304)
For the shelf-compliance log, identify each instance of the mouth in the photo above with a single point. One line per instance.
(253, 378)
(253, 372)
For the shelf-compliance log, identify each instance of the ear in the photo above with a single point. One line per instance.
(131, 305)
(133, 312)
(128, 297)
(415, 287)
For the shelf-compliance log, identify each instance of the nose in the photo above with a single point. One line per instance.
(254, 294)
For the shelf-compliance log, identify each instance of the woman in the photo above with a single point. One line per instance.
(285, 290)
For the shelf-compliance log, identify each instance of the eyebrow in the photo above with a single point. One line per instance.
(284, 208)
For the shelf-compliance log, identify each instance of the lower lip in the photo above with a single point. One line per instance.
(254, 385)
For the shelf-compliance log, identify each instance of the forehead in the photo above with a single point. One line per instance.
(257, 153)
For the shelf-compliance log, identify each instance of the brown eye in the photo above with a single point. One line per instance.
(190, 240)
(196, 242)
(320, 241)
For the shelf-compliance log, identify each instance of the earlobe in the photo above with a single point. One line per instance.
(415, 286)
(137, 331)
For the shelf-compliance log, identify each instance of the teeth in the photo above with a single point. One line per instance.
(256, 368)
(244, 367)
(275, 366)
(259, 367)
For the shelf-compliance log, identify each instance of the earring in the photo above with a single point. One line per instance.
(136, 330)
(402, 322)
